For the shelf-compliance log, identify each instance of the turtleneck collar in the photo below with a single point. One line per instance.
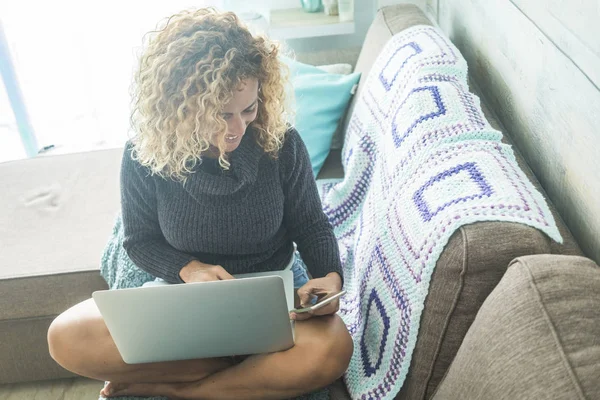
(243, 171)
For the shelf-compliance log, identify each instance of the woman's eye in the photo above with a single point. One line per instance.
(226, 116)
(250, 111)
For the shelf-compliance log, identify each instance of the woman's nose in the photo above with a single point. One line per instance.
(237, 125)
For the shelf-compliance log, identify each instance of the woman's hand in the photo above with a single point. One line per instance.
(321, 287)
(195, 271)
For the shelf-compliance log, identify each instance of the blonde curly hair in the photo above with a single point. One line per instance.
(187, 73)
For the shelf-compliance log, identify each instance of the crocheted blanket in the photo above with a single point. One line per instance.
(420, 161)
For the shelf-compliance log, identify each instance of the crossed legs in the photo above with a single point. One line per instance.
(79, 340)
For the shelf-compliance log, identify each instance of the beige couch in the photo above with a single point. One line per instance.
(531, 332)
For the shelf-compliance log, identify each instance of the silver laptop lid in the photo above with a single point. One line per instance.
(199, 320)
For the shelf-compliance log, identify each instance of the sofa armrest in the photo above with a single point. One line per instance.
(471, 265)
(535, 337)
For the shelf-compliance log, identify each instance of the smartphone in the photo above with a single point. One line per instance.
(320, 304)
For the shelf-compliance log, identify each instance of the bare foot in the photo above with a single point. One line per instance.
(166, 389)
(139, 389)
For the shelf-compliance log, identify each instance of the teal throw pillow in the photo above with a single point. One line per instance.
(321, 99)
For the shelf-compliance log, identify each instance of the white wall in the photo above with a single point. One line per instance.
(538, 64)
(420, 3)
(364, 12)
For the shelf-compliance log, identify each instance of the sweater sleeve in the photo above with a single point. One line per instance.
(303, 213)
(144, 241)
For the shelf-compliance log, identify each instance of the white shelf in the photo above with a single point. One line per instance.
(295, 23)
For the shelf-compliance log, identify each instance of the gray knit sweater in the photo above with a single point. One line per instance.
(244, 219)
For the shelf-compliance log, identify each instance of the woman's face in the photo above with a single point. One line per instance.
(239, 113)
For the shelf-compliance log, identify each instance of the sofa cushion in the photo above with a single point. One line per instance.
(472, 264)
(321, 98)
(57, 213)
(24, 350)
(535, 337)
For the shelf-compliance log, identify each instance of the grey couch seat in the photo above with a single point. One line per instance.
(57, 212)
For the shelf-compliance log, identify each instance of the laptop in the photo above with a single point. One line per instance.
(164, 322)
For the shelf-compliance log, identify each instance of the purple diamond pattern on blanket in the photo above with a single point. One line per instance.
(474, 173)
(377, 334)
(374, 324)
(437, 109)
(397, 62)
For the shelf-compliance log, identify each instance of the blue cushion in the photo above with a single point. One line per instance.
(321, 99)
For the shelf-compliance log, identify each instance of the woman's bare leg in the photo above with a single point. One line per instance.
(321, 355)
(79, 341)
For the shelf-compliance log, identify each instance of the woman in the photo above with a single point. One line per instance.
(215, 183)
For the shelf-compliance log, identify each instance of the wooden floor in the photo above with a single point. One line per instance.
(62, 389)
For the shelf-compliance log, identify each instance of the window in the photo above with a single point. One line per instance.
(74, 63)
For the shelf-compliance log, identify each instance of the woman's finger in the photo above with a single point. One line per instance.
(305, 294)
(301, 316)
(330, 308)
(222, 274)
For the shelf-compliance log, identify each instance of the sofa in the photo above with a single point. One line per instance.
(510, 312)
